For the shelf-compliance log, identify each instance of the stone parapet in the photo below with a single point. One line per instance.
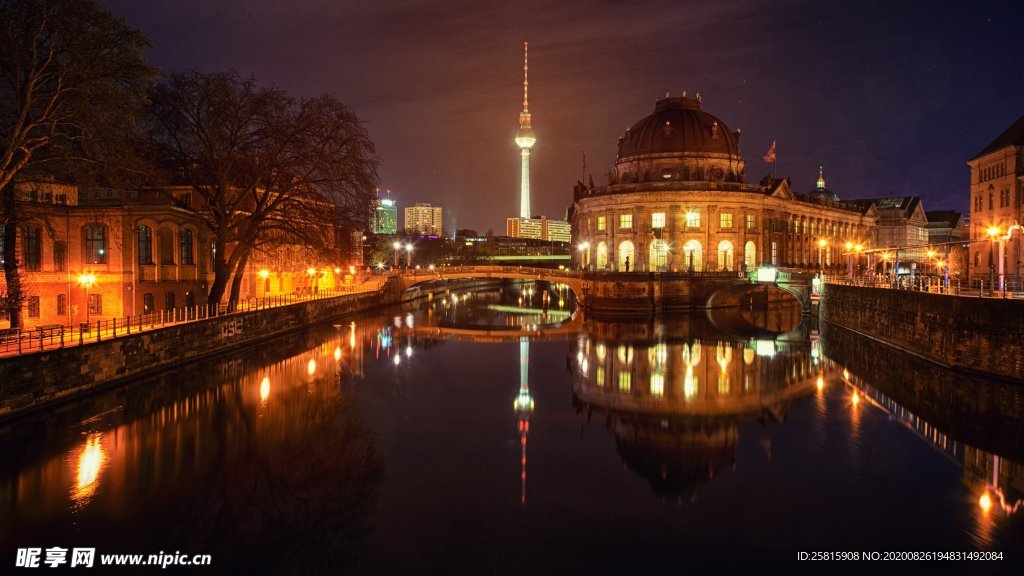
(984, 335)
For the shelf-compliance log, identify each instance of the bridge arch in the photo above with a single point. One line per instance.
(732, 295)
(570, 278)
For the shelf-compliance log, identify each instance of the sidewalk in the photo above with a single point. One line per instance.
(43, 338)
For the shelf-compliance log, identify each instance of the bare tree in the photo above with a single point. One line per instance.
(71, 74)
(265, 165)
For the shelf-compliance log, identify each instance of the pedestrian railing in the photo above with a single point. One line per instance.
(975, 289)
(48, 337)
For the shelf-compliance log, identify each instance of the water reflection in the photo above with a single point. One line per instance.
(995, 484)
(273, 458)
(222, 458)
(675, 401)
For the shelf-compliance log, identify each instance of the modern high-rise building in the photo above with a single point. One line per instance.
(424, 219)
(525, 140)
(384, 216)
(539, 228)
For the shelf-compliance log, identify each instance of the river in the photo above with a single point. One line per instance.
(497, 431)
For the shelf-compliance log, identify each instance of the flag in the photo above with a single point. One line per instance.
(769, 157)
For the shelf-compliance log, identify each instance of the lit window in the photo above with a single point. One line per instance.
(725, 220)
(625, 380)
(657, 384)
(95, 244)
(693, 219)
(750, 221)
(658, 220)
(600, 376)
(625, 220)
(602, 223)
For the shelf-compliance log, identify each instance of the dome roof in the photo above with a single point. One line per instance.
(823, 193)
(678, 125)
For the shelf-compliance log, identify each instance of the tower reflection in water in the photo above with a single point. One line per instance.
(524, 409)
(675, 403)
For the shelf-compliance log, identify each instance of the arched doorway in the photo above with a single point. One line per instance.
(725, 255)
(602, 256)
(657, 254)
(692, 254)
(626, 250)
(750, 255)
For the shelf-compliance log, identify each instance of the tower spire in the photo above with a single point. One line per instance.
(821, 177)
(526, 77)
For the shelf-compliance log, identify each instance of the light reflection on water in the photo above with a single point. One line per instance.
(360, 444)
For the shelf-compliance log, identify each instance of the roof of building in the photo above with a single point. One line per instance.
(903, 204)
(678, 125)
(1012, 136)
(949, 218)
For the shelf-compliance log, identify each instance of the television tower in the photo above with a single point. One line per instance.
(525, 140)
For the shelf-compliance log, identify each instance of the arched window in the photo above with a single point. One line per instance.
(602, 256)
(627, 257)
(725, 255)
(692, 253)
(95, 243)
(166, 246)
(145, 245)
(750, 255)
(186, 243)
(658, 256)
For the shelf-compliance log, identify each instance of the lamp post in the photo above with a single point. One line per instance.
(822, 243)
(584, 248)
(312, 279)
(931, 256)
(397, 246)
(87, 281)
(992, 231)
(849, 259)
(408, 255)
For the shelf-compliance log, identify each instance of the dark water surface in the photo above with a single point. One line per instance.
(437, 439)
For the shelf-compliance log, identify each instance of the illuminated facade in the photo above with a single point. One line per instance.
(101, 253)
(142, 254)
(997, 187)
(539, 228)
(424, 219)
(677, 200)
(384, 217)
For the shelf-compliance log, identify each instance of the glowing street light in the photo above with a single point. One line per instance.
(408, 255)
(397, 246)
(822, 244)
(584, 248)
(87, 281)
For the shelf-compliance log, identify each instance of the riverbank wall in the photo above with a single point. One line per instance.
(34, 381)
(978, 335)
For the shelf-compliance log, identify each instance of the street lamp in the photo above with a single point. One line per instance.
(312, 279)
(87, 281)
(993, 232)
(822, 243)
(584, 248)
(408, 255)
(397, 246)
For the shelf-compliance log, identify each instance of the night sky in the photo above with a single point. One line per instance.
(892, 97)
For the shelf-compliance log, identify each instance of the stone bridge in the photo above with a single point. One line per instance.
(633, 293)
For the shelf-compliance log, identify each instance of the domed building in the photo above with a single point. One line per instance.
(677, 200)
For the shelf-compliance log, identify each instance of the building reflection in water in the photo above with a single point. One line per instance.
(259, 446)
(995, 484)
(675, 403)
